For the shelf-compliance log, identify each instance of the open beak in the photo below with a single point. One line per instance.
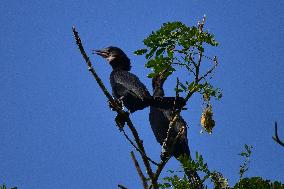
(103, 53)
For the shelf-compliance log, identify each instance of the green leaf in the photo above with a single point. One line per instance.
(140, 51)
(244, 154)
(151, 53)
(151, 75)
(160, 51)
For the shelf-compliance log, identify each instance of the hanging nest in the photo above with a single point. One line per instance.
(207, 121)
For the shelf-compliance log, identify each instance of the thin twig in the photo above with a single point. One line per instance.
(276, 137)
(197, 66)
(161, 167)
(136, 148)
(186, 66)
(139, 171)
(209, 71)
(122, 187)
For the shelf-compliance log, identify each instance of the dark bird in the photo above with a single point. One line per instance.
(160, 120)
(127, 87)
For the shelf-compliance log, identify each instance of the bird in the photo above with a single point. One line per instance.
(126, 86)
(160, 119)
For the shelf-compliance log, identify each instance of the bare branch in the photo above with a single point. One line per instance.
(122, 187)
(132, 143)
(160, 168)
(91, 69)
(276, 137)
(139, 171)
(141, 147)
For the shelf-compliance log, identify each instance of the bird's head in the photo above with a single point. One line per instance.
(115, 56)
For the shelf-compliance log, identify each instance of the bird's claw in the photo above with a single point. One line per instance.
(118, 102)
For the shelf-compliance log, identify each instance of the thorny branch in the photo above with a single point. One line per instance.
(276, 137)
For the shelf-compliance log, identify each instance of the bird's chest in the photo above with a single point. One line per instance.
(118, 90)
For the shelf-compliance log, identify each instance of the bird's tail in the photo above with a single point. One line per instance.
(166, 102)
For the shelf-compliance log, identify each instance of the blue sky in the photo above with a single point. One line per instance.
(55, 127)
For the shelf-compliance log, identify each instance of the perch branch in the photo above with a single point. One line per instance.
(91, 69)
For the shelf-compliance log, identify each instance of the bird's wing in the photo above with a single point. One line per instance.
(132, 83)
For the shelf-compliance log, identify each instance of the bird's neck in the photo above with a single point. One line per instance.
(115, 69)
(157, 84)
(159, 91)
(120, 64)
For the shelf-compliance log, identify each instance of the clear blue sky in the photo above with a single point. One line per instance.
(56, 130)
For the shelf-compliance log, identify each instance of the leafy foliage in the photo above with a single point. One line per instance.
(172, 42)
(178, 46)
(4, 187)
(199, 165)
(217, 178)
(258, 183)
(175, 182)
(246, 154)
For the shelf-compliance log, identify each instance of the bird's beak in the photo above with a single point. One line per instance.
(103, 53)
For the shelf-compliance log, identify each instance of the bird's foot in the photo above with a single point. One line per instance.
(118, 102)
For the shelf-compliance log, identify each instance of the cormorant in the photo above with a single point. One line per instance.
(160, 120)
(127, 87)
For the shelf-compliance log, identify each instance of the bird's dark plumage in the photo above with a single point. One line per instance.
(160, 120)
(127, 86)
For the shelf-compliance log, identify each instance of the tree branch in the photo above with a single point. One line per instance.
(276, 137)
(132, 143)
(120, 186)
(211, 70)
(139, 171)
(91, 69)
(141, 147)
